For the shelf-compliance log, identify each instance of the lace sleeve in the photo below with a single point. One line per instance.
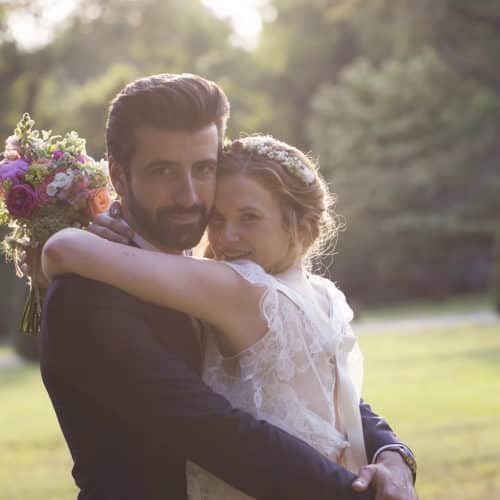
(342, 310)
(274, 349)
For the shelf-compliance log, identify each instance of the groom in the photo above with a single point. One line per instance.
(123, 376)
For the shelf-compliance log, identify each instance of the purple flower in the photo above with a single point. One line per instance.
(57, 154)
(13, 171)
(21, 201)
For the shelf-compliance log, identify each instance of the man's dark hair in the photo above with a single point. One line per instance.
(166, 102)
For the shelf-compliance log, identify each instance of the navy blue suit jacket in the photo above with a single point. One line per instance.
(123, 377)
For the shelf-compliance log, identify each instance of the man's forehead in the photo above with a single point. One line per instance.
(206, 134)
(177, 145)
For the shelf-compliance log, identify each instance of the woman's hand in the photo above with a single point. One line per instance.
(110, 226)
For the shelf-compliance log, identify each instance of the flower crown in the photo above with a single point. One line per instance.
(274, 150)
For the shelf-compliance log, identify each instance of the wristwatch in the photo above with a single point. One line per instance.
(406, 454)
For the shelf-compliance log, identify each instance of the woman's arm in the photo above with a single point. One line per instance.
(203, 288)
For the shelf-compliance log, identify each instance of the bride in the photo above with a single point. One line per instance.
(279, 344)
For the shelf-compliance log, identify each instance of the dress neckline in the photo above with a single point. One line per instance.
(299, 285)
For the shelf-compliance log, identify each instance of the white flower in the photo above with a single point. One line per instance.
(104, 166)
(51, 189)
(305, 174)
(63, 180)
(288, 160)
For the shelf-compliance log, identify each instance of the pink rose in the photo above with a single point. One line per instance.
(42, 197)
(12, 155)
(82, 184)
(13, 149)
(21, 201)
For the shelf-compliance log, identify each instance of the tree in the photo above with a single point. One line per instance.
(411, 148)
(467, 35)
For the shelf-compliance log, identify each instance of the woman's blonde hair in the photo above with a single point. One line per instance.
(289, 174)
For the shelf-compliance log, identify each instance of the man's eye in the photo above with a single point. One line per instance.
(216, 219)
(163, 171)
(206, 169)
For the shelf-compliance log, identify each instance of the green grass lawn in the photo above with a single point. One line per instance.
(34, 461)
(459, 304)
(439, 390)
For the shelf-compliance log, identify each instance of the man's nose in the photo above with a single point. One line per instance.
(185, 193)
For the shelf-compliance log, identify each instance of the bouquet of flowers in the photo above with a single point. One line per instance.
(47, 183)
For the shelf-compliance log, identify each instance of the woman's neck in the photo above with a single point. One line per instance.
(295, 275)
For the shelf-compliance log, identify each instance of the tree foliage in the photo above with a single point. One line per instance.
(399, 99)
(411, 148)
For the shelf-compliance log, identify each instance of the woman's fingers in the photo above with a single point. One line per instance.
(112, 221)
(115, 210)
(116, 234)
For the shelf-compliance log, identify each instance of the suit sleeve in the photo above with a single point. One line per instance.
(376, 431)
(109, 351)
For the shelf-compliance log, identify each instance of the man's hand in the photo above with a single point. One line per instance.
(390, 477)
(31, 266)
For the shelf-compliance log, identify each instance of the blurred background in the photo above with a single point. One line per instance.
(400, 102)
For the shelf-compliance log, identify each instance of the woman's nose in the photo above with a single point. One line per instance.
(230, 233)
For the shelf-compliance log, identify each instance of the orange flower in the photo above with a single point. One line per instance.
(100, 202)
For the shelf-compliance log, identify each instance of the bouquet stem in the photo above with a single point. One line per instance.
(32, 313)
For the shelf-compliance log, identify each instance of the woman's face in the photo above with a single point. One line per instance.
(247, 224)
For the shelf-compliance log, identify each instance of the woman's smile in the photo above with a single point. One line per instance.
(247, 223)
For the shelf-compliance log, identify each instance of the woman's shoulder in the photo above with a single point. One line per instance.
(250, 271)
(335, 295)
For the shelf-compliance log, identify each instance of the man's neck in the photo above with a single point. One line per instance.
(146, 242)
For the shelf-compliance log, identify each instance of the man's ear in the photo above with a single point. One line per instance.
(118, 177)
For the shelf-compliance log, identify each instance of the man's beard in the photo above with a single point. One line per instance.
(160, 229)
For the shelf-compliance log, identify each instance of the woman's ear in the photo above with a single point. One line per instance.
(304, 234)
(118, 177)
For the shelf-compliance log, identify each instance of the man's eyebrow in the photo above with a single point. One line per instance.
(249, 207)
(160, 163)
(212, 161)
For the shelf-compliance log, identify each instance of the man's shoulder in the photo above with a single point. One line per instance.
(71, 288)
(74, 292)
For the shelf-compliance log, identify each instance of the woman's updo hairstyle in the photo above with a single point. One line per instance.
(291, 176)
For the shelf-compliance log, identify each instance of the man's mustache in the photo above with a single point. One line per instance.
(198, 209)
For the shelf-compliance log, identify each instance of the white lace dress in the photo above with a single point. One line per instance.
(304, 375)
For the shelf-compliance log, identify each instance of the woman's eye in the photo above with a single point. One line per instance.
(206, 169)
(249, 217)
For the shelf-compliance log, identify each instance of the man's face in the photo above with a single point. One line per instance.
(169, 190)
